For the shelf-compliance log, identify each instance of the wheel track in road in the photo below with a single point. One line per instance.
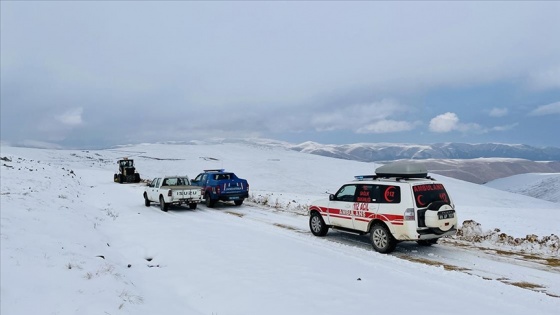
(450, 255)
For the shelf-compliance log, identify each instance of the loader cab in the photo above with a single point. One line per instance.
(127, 172)
(125, 164)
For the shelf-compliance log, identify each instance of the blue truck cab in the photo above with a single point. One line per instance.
(221, 185)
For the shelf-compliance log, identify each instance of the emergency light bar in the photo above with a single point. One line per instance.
(365, 177)
(219, 170)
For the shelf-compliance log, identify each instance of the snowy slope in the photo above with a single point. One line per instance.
(74, 242)
(394, 151)
(544, 186)
(475, 163)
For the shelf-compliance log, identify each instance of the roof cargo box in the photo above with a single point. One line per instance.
(403, 170)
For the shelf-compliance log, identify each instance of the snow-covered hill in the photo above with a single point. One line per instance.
(369, 152)
(372, 152)
(544, 186)
(74, 242)
(476, 163)
(483, 170)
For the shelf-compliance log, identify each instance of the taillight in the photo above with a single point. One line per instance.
(169, 193)
(218, 189)
(409, 214)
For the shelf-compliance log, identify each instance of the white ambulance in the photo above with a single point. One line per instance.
(399, 203)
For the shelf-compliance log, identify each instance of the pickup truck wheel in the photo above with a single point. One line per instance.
(381, 239)
(238, 202)
(317, 225)
(162, 204)
(146, 200)
(192, 206)
(209, 202)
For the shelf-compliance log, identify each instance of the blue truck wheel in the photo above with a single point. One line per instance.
(209, 202)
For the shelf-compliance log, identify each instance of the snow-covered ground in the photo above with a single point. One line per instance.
(74, 242)
(544, 186)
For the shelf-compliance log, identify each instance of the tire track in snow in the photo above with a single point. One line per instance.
(531, 272)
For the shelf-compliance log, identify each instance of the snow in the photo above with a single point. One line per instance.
(513, 214)
(69, 235)
(538, 185)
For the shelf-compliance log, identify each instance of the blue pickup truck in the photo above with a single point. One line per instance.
(221, 185)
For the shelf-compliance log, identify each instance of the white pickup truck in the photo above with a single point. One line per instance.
(172, 190)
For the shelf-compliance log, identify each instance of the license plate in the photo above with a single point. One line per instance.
(450, 214)
(233, 198)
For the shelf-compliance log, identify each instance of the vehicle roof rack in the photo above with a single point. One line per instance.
(402, 171)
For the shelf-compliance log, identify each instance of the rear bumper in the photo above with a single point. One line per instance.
(430, 233)
(186, 201)
(234, 196)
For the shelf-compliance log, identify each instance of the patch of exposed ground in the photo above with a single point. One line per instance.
(432, 263)
(521, 284)
(235, 213)
(287, 227)
(550, 262)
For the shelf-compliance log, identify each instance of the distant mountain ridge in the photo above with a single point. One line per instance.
(476, 163)
(370, 152)
(483, 170)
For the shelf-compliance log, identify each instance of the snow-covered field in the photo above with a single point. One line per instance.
(74, 242)
(544, 186)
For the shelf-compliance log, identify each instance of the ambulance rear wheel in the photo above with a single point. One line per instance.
(381, 238)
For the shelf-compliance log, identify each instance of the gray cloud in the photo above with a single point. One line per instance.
(498, 112)
(545, 79)
(388, 126)
(505, 127)
(549, 109)
(146, 71)
(362, 118)
(71, 117)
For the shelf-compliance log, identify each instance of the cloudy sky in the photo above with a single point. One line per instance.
(99, 73)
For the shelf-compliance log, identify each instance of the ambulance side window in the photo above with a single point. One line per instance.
(389, 194)
(367, 193)
(346, 193)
